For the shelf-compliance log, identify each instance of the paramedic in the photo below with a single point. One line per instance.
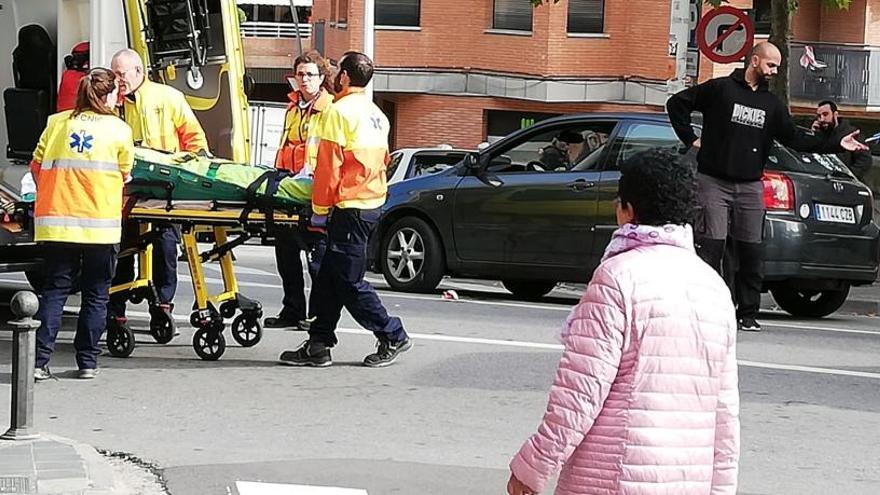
(80, 163)
(160, 118)
(297, 153)
(350, 181)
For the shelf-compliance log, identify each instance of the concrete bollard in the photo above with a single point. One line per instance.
(24, 344)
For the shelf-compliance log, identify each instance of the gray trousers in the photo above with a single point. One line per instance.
(733, 210)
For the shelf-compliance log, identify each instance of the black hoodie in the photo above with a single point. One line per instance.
(739, 126)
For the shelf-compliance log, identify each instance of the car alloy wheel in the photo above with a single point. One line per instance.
(406, 255)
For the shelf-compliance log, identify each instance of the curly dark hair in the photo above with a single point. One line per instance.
(660, 187)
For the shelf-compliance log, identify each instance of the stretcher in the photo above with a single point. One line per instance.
(230, 224)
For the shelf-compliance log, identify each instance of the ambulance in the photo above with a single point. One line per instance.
(192, 45)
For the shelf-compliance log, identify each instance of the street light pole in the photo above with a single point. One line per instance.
(370, 37)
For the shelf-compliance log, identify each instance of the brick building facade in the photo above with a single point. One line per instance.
(461, 72)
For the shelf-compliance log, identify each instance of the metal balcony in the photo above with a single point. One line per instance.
(259, 29)
(851, 75)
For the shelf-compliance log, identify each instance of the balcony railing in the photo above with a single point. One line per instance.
(259, 29)
(850, 76)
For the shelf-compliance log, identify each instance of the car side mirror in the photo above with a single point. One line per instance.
(501, 161)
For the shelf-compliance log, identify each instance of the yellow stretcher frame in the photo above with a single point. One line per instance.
(210, 309)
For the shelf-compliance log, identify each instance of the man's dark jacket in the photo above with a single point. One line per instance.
(739, 127)
(857, 161)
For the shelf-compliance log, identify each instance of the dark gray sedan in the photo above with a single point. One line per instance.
(508, 213)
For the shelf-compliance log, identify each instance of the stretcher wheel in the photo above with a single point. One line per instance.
(162, 327)
(247, 330)
(120, 340)
(209, 344)
(227, 309)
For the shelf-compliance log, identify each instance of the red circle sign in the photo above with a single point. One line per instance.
(725, 35)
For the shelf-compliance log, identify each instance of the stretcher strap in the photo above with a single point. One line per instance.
(167, 186)
(272, 179)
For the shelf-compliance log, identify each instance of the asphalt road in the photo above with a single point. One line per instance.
(447, 418)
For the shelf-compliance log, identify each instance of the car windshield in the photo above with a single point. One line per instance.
(788, 160)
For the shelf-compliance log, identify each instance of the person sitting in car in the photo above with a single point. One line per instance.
(559, 153)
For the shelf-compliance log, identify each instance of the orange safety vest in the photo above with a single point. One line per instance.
(161, 119)
(352, 155)
(299, 143)
(78, 167)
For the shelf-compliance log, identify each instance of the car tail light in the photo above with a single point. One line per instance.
(778, 191)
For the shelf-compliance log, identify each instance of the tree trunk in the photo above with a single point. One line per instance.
(780, 34)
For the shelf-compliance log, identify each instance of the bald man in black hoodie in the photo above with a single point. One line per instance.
(741, 119)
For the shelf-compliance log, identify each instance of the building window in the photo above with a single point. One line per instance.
(515, 15)
(397, 12)
(342, 12)
(586, 16)
(762, 16)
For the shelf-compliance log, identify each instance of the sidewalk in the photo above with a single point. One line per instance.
(53, 465)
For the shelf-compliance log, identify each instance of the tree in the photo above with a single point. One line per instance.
(781, 13)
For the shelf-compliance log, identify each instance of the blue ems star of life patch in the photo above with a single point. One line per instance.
(81, 141)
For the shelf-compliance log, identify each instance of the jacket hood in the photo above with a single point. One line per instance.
(632, 236)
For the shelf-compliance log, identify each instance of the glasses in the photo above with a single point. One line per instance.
(303, 75)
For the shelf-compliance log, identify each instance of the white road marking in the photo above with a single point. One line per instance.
(214, 267)
(795, 326)
(466, 340)
(398, 295)
(808, 369)
(558, 347)
(255, 488)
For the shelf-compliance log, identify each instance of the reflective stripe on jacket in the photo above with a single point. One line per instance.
(298, 149)
(78, 166)
(160, 118)
(352, 155)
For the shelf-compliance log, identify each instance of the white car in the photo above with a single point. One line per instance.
(407, 163)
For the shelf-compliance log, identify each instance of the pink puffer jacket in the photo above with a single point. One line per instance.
(645, 399)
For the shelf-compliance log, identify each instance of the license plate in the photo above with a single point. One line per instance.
(835, 214)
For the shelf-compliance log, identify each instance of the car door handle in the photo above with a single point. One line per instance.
(580, 185)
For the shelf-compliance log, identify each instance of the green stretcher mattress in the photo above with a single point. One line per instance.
(187, 176)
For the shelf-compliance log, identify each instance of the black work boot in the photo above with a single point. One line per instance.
(281, 321)
(387, 352)
(310, 353)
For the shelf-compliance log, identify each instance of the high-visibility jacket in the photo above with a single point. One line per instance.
(78, 167)
(298, 149)
(160, 118)
(352, 155)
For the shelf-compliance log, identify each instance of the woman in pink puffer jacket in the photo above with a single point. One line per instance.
(645, 399)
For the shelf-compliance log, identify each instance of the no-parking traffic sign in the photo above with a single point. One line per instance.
(725, 34)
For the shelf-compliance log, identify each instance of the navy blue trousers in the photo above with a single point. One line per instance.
(164, 269)
(94, 264)
(289, 243)
(340, 282)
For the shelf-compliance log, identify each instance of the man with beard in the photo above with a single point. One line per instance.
(829, 123)
(741, 119)
(349, 191)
